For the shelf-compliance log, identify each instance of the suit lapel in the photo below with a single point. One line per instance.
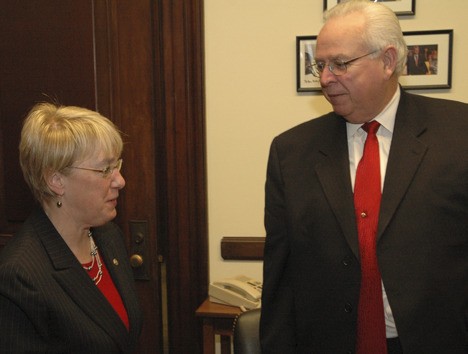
(77, 284)
(93, 303)
(334, 176)
(124, 284)
(406, 155)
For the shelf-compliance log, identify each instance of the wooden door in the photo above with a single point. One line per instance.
(140, 63)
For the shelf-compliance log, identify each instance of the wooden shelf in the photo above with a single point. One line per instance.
(245, 248)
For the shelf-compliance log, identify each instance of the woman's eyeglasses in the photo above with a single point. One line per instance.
(105, 172)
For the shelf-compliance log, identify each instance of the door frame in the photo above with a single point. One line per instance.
(175, 98)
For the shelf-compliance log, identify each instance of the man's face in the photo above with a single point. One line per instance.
(361, 93)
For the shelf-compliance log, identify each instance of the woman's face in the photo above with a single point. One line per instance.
(89, 198)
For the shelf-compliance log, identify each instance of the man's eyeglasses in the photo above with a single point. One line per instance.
(337, 67)
(105, 172)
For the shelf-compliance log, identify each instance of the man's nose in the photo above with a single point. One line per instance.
(327, 76)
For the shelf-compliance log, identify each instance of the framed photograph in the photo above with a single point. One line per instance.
(399, 7)
(429, 61)
(305, 47)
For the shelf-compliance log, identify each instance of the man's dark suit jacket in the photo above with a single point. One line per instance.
(48, 303)
(311, 261)
(416, 68)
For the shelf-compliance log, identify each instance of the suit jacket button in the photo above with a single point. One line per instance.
(348, 308)
(346, 261)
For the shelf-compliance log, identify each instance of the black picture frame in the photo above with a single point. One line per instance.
(401, 8)
(438, 74)
(305, 81)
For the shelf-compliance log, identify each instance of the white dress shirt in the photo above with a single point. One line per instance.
(356, 139)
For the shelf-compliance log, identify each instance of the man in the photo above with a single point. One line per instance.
(319, 260)
(416, 64)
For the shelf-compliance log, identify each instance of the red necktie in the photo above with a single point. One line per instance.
(371, 337)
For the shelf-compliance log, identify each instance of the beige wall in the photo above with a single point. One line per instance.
(251, 97)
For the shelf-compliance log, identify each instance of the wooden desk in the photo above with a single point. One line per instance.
(217, 320)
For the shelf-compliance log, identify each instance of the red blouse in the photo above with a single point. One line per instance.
(108, 289)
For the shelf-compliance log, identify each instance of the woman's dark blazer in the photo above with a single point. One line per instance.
(48, 303)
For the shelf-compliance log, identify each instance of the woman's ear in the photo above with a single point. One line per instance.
(390, 59)
(55, 182)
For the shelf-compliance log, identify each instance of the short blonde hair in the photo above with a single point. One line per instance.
(54, 137)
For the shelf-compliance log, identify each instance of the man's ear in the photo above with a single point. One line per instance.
(55, 181)
(390, 58)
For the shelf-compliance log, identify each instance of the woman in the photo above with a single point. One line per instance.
(65, 282)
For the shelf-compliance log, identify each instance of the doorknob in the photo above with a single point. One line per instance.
(136, 261)
(139, 259)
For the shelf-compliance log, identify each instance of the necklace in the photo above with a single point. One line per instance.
(95, 259)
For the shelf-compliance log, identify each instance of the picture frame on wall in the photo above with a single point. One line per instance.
(432, 69)
(400, 7)
(305, 48)
(429, 60)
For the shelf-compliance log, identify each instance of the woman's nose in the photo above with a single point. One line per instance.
(117, 180)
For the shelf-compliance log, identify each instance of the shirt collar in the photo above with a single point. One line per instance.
(386, 117)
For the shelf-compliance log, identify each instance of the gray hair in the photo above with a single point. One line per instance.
(382, 27)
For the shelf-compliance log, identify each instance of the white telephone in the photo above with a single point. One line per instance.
(239, 291)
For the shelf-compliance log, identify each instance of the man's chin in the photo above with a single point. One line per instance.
(340, 109)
